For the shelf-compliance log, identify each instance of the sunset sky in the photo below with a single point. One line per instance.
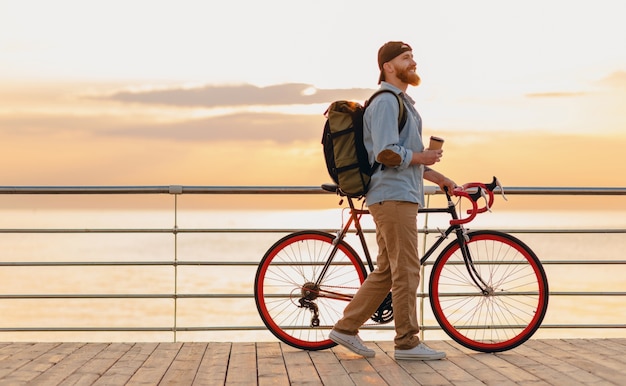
(232, 93)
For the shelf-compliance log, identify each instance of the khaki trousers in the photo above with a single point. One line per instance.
(398, 270)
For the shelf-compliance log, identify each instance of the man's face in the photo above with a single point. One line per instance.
(405, 68)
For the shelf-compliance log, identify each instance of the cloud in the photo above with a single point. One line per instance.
(239, 95)
(556, 94)
(240, 127)
(615, 80)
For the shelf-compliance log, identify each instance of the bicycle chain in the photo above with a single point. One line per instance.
(383, 315)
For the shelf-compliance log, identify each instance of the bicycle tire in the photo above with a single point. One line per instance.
(513, 309)
(286, 268)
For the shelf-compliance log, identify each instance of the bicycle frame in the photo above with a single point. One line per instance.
(455, 226)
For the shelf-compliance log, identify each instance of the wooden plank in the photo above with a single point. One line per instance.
(599, 353)
(42, 363)
(389, 369)
(16, 355)
(242, 365)
(557, 359)
(93, 369)
(214, 365)
(271, 364)
(551, 370)
(12, 349)
(452, 372)
(505, 367)
(185, 365)
(621, 341)
(153, 369)
(300, 367)
(596, 361)
(465, 360)
(611, 344)
(70, 364)
(329, 368)
(420, 371)
(127, 365)
(358, 368)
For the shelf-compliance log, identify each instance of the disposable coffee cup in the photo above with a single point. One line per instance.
(435, 143)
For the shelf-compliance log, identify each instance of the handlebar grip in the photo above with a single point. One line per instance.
(475, 196)
(481, 188)
(460, 192)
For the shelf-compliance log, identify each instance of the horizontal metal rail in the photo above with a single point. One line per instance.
(288, 190)
(247, 263)
(282, 230)
(178, 190)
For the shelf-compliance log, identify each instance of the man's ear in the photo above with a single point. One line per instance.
(389, 68)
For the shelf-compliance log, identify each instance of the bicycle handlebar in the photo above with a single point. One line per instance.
(483, 190)
(473, 191)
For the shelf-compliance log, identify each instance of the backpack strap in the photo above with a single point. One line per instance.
(402, 117)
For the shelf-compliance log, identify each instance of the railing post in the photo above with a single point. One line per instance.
(175, 190)
(422, 270)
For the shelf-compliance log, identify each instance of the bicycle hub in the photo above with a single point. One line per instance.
(310, 291)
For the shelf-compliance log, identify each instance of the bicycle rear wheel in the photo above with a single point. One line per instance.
(286, 295)
(517, 292)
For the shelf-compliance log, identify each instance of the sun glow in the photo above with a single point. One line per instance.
(89, 89)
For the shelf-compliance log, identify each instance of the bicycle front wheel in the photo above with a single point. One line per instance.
(513, 304)
(296, 305)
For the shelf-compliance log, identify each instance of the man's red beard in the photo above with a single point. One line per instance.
(408, 77)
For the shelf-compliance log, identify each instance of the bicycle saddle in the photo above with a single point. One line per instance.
(330, 187)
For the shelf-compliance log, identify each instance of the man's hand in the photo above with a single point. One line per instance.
(427, 157)
(442, 181)
(447, 183)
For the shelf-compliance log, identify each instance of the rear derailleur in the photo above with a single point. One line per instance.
(309, 293)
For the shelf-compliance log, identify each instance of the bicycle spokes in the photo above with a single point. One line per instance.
(296, 302)
(503, 313)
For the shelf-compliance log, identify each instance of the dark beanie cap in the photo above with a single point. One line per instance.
(388, 52)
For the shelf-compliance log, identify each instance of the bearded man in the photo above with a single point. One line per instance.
(395, 194)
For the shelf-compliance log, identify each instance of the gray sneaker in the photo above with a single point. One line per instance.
(420, 353)
(352, 343)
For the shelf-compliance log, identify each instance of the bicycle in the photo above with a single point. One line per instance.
(488, 290)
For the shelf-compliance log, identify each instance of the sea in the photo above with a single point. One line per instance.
(226, 236)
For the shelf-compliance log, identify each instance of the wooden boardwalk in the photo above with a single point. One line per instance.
(538, 362)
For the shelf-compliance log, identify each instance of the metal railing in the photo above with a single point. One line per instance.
(174, 263)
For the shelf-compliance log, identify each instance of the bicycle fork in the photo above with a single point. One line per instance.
(463, 237)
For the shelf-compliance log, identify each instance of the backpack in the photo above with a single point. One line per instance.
(346, 157)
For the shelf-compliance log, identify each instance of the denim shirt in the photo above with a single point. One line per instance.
(380, 131)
